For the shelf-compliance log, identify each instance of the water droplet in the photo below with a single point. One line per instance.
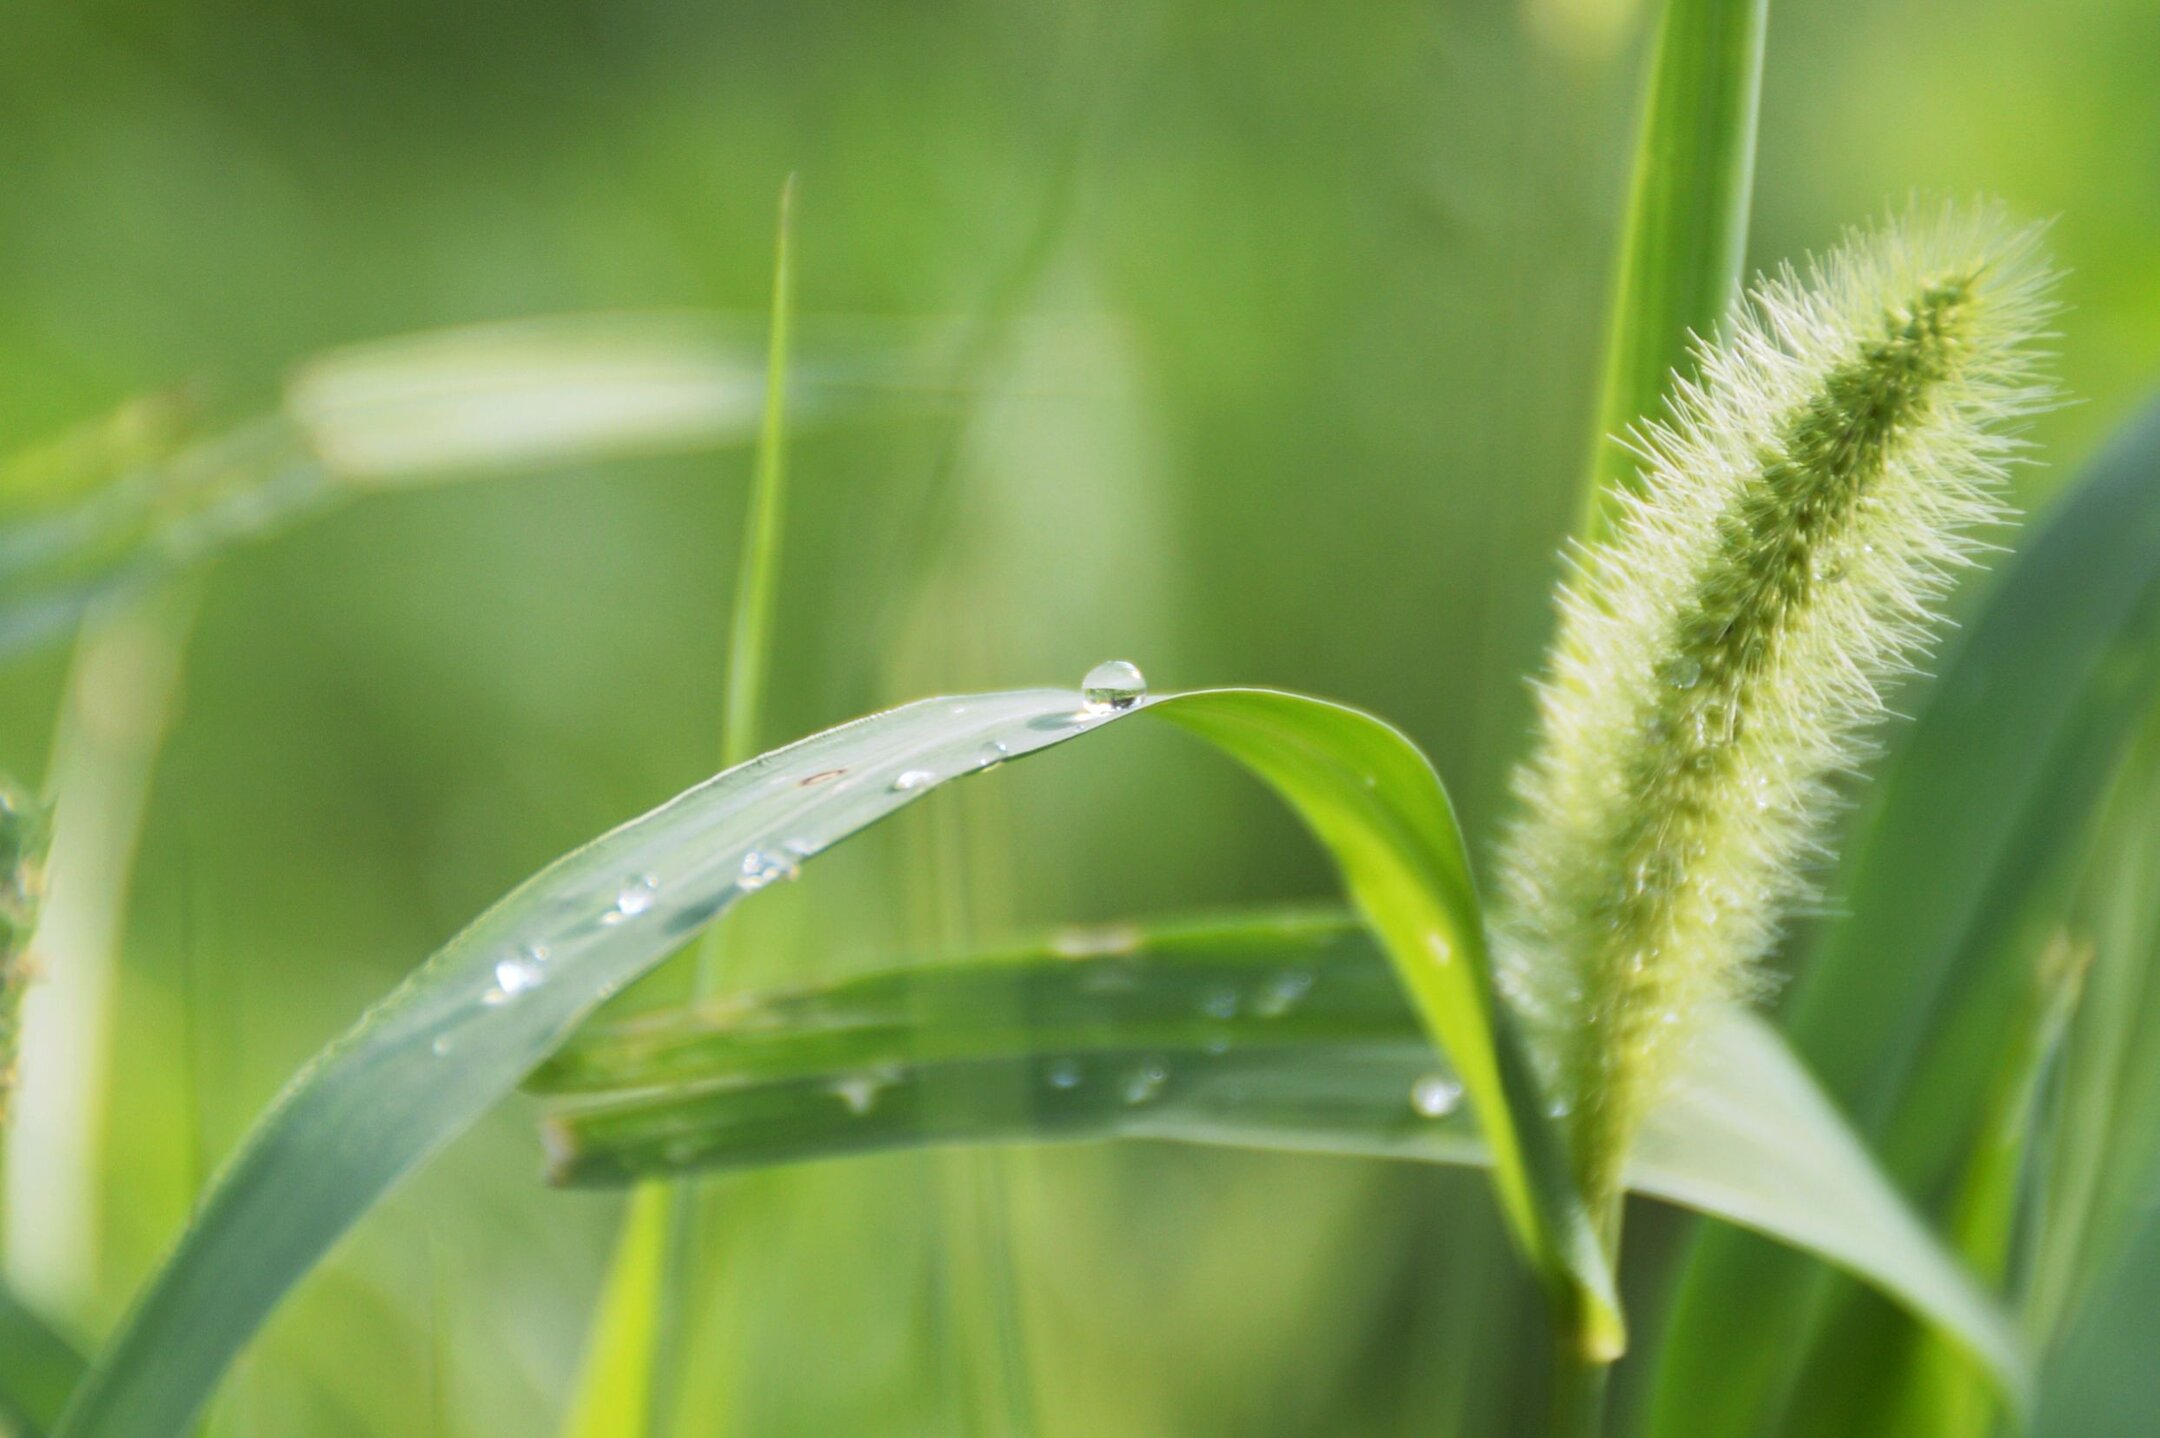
(1282, 995)
(1684, 672)
(1113, 684)
(991, 755)
(1098, 942)
(441, 1045)
(1144, 1084)
(633, 899)
(760, 868)
(859, 1092)
(1220, 1003)
(515, 976)
(1063, 1073)
(1218, 1045)
(1435, 1096)
(1559, 1108)
(908, 780)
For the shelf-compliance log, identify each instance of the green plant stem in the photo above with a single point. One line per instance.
(1685, 236)
(634, 1371)
(1581, 1378)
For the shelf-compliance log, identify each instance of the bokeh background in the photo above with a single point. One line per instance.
(1279, 331)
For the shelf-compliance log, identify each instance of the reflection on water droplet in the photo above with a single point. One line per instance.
(1113, 684)
(1097, 942)
(1144, 1084)
(1435, 1096)
(635, 898)
(515, 976)
(991, 755)
(1063, 1073)
(910, 779)
(1220, 1003)
(1282, 995)
(859, 1092)
(760, 868)
(1559, 1108)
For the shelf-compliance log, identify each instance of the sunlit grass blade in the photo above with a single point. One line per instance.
(1274, 1031)
(493, 1003)
(1685, 231)
(38, 1368)
(1963, 844)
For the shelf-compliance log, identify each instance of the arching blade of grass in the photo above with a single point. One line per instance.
(37, 1369)
(1280, 1031)
(502, 995)
(126, 503)
(1685, 232)
(1960, 854)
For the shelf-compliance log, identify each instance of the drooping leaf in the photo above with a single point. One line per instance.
(1278, 1031)
(503, 994)
(1952, 868)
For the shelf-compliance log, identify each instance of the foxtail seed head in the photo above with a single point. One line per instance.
(1805, 505)
(23, 840)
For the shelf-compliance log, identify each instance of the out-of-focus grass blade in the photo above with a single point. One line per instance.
(1906, 1003)
(38, 1368)
(1275, 1032)
(124, 503)
(493, 1003)
(1685, 235)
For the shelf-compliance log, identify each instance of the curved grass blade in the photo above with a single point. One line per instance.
(38, 1368)
(495, 1001)
(1280, 1032)
(1685, 235)
(1962, 848)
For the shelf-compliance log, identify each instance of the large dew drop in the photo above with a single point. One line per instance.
(1114, 684)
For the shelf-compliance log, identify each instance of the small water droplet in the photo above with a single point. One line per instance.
(1220, 1003)
(1218, 1045)
(1113, 684)
(441, 1045)
(908, 780)
(1063, 1073)
(1283, 993)
(1559, 1108)
(991, 755)
(634, 898)
(859, 1092)
(1684, 672)
(1097, 942)
(1435, 1096)
(1144, 1084)
(515, 976)
(760, 868)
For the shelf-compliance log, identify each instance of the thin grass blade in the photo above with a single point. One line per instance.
(1685, 233)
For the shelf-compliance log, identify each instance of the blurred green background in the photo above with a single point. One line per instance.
(1286, 322)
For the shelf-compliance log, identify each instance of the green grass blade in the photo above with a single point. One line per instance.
(127, 503)
(1685, 235)
(1273, 1032)
(757, 587)
(38, 1369)
(1963, 846)
(492, 1004)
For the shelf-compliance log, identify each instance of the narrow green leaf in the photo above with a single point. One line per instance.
(1270, 1032)
(38, 1368)
(493, 1003)
(1963, 845)
(1685, 235)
